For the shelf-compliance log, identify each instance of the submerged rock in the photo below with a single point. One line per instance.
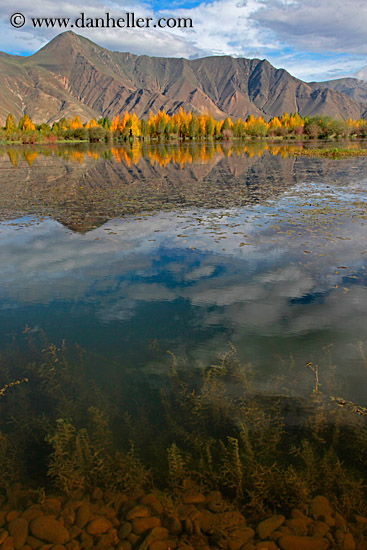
(139, 511)
(99, 526)
(48, 529)
(293, 542)
(266, 527)
(152, 501)
(321, 508)
(18, 529)
(266, 545)
(141, 525)
(125, 530)
(82, 516)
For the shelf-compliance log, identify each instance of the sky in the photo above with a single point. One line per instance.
(312, 39)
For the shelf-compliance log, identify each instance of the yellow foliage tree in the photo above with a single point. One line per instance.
(25, 123)
(10, 123)
(115, 123)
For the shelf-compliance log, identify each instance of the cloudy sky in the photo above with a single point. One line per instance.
(312, 39)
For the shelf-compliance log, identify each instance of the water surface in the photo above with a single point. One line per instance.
(132, 253)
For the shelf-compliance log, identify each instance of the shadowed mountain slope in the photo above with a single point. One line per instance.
(352, 87)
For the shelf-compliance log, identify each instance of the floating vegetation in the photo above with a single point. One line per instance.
(334, 153)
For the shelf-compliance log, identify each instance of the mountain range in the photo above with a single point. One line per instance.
(73, 76)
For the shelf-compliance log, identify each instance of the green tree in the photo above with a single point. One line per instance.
(96, 133)
(193, 127)
(209, 126)
(161, 126)
(143, 128)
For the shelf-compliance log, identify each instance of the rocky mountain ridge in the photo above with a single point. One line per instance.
(73, 76)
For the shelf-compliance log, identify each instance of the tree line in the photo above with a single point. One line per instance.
(181, 126)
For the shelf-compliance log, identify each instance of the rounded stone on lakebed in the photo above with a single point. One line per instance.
(8, 544)
(140, 525)
(74, 531)
(18, 529)
(13, 514)
(98, 526)
(53, 505)
(48, 529)
(82, 516)
(293, 542)
(173, 525)
(160, 545)
(139, 511)
(32, 513)
(298, 526)
(245, 534)
(33, 542)
(321, 507)
(266, 527)
(133, 538)
(152, 501)
(235, 543)
(125, 530)
(193, 498)
(157, 533)
(348, 542)
(266, 545)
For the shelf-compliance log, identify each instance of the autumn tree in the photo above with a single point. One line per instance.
(10, 123)
(25, 123)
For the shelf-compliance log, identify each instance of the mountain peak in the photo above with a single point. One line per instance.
(65, 39)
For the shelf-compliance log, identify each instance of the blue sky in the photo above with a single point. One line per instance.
(312, 39)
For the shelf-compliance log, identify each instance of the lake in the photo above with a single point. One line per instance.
(161, 273)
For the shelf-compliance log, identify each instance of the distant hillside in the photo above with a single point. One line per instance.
(73, 76)
(352, 87)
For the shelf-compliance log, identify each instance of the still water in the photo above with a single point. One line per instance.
(265, 252)
(131, 253)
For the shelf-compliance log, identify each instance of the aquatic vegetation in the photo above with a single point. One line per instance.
(216, 432)
(80, 460)
(207, 429)
(10, 464)
(11, 384)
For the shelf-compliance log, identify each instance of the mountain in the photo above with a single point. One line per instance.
(73, 76)
(354, 88)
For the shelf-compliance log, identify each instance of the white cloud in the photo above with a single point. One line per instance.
(317, 25)
(362, 73)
